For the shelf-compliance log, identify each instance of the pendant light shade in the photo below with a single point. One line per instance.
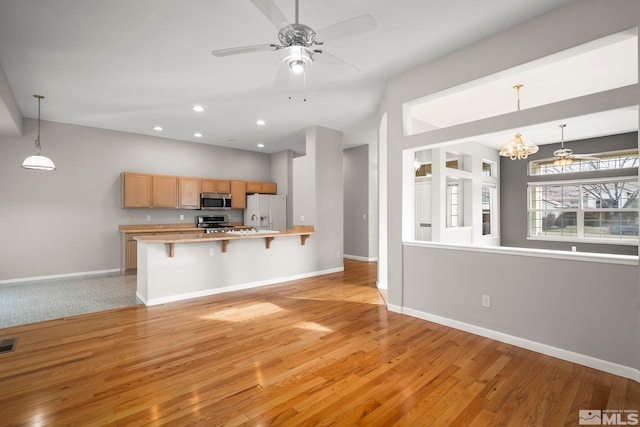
(518, 147)
(38, 162)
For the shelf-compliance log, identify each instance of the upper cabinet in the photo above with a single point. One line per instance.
(165, 191)
(261, 187)
(238, 194)
(136, 190)
(140, 190)
(216, 185)
(189, 192)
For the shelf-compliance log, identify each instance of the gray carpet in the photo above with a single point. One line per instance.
(30, 302)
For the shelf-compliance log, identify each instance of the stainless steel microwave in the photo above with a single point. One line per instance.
(215, 201)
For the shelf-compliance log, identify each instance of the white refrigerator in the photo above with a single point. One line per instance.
(266, 211)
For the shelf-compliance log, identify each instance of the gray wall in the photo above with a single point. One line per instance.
(556, 302)
(356, 202)
(282, 175)
(513, 206)
(568, 26)
(317, 191)
(66, 221)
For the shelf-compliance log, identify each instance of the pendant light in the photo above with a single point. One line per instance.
(518, 147)
(38, 161)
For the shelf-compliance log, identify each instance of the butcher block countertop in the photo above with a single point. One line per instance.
(172, 239)
(154, 228)
(151, 228)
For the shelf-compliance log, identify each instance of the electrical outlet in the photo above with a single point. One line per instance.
(129, 217)
(148, 217)
(211, 252)
(302, 218)
(181, 217)
(486, 301)
(338, 254)
(573, 248)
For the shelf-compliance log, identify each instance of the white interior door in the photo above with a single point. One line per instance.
(423, 211)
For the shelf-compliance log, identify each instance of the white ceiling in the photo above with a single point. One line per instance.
(131, 65)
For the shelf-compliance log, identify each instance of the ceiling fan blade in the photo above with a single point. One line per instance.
(334, 64)
(350, 27)
(585, 157)
(271, 11)
(283, 75)
(244, 49)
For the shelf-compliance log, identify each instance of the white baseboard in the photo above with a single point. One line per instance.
(360, 258)
(207, 292)
(560, 353)
(61, 276)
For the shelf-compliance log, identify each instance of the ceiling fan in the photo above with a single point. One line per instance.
(564, 156)
(299, 41)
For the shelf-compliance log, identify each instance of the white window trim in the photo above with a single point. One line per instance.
(603, 154)
(579, 238)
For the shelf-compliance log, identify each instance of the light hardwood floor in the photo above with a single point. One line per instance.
(319, 351)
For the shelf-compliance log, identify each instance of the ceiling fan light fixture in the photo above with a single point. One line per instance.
(296, 66)
(566, 161)
(297, 59)
(38, 162)
(563, 156)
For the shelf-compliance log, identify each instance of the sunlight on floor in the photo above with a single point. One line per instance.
(311, 326)
(240, 314)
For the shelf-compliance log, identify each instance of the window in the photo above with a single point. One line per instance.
(454, 204)
(601, 210)
(487, 210)
(595, 162)
(487, 169)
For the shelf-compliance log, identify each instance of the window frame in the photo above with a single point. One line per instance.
(603, 156)
(579, 211)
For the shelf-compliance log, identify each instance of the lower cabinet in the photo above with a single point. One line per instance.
(129, 259)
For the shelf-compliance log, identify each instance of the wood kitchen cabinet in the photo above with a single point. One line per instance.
(141, 190)
(136, 190)
(261, 187)
(129, 257)
(269, 188)
(189, 192)
(165, 191)
(216, 185)
(238, 194)
(131, 254)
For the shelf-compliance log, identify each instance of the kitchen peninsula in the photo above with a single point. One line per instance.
(173, 267)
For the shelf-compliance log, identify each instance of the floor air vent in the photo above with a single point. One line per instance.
(8, 345)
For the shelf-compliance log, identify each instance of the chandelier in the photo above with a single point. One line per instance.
(518, 148)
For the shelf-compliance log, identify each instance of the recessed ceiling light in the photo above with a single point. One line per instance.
(261, 122)
(197, 135)
(158, 128)
(198, 108)
(260, 145)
